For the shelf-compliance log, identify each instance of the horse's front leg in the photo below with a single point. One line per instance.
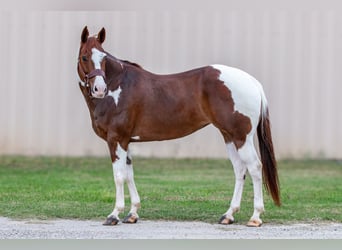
(118, 155)
(132, 216)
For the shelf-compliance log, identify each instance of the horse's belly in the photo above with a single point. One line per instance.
(167, 130)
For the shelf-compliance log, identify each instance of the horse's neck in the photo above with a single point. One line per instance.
(114, 68)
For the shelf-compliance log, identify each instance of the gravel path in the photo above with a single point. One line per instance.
(75, 229)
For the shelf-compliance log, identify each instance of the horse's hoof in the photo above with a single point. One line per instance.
(111, 221)
(130, 219)
(254, 223)
(226, 221)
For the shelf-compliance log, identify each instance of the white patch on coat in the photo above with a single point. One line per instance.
(115, 94)
(249, 99)
(245, 89)
(137, 137)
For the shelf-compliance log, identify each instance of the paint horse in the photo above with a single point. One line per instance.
(129, 104)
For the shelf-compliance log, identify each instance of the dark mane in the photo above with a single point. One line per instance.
(131, 63)
(123, 61)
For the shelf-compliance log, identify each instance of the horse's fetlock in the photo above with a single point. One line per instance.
(120, 209)
(234, 209)
(137, 205)
(260, 209)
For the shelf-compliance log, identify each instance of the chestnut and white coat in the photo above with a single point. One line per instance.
(129, 104)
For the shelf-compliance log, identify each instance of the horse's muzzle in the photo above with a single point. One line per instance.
(99, 91)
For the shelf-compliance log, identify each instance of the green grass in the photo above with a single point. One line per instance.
(187, 189)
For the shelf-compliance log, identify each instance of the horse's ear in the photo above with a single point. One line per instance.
(102, 35)
(85, 34)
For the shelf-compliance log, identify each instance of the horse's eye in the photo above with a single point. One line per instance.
(84, 58)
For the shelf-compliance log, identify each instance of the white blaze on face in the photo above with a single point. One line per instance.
(97, 57)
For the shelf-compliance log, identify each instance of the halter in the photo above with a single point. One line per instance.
(96, 72)
(92, 74)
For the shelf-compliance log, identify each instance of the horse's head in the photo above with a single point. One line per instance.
(91, 63)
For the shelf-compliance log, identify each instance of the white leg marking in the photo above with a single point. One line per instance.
(135, 199)
(250, 158)
(115, 94)
(244, 159)
(240, 172)
(120, 175)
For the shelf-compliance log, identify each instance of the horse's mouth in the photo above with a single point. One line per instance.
(98, 96)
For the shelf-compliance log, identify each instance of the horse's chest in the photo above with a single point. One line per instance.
(101, 119)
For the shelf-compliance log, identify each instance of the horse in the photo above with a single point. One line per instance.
(129, 104)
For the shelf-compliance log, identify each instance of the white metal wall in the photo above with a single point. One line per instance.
(295, 54)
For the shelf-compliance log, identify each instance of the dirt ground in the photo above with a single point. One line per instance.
(75, 229)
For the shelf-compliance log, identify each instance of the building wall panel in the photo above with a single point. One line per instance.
(295, 54)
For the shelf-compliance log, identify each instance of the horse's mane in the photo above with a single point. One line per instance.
(131, 63)
(123, 61)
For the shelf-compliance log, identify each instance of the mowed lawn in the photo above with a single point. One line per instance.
(170, 189)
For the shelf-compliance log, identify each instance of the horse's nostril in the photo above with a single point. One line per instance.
(95, 89)
(105, 90)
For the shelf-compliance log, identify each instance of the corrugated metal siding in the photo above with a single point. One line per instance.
(296, 55)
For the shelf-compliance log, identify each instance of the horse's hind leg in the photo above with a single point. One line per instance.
(250, 157)
(240, 175)
(243, 159)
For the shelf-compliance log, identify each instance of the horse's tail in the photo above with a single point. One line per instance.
(269, 164)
